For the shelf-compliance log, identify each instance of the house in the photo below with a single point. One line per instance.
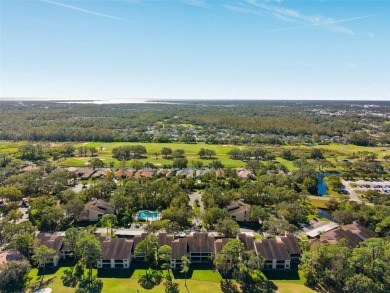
(244, 173)
(238, 210)
(200, 173)
(353, 233)
(29, 168)
(201, 247)
(95, 209)
(100, 173)
(84, 173)
(274, 253)
(52, 240)
(164, 172)
(116, 253)
(185, 173)
(123, 174)
(144, 174)
(87, 174)
(10, 255)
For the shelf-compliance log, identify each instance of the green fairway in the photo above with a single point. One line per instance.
(339, 151)
(191, 153)
(8, 147)
(287, 163)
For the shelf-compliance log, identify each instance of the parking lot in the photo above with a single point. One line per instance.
(379, 186)
(365, 185)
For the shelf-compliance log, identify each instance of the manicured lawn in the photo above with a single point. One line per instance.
(287, 163)
(318, 203)
(200, 279)
(288, 287)
(9, 147)
(191, 152)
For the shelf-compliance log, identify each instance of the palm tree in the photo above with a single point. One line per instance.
(185, 266)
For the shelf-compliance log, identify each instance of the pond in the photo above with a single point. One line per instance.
(321, 185)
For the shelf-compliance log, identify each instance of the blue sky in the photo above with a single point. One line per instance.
(195, 49)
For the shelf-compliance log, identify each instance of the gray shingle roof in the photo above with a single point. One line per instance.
(291, 244)
(117, 248)
(179, 248)
(51, 240)
(271, 249)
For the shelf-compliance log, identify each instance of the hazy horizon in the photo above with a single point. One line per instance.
(130, 100)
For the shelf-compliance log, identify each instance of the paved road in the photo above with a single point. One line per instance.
(79, 187)
(25, 215)
(323, 197)
(140, 229)
(196, 196)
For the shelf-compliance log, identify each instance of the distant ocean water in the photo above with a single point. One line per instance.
(107, 101)
(85, 101)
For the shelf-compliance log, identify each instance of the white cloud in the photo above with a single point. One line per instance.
(197, 3)
(79, 9)
(289, 15)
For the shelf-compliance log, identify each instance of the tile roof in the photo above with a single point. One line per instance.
(186, 173)
(124, 173)
(116, 248)
(354, 233)
(200, 173)
(244, 173)
(87, 174)
(237, 206)
(143, 174)
(336, 235)
(97, 205)
(100, 173)
(360, 230)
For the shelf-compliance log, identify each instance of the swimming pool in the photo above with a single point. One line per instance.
(147, 215)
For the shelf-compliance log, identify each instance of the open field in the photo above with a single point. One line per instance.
(191, 152)
(200, 280)
(104, 152)
(318, 203)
